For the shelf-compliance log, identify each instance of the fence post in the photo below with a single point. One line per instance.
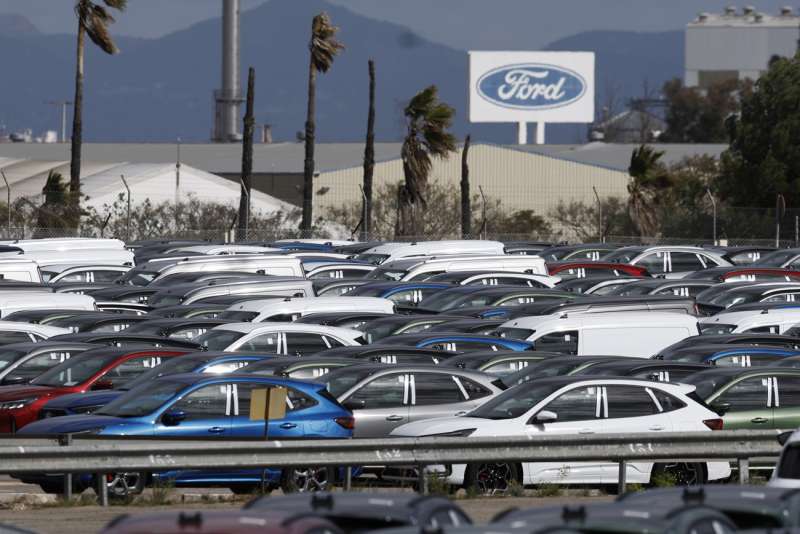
(744, 470)
(423, 480)
(102, 489)
(623, 475)
(348, 478)
(66, 441)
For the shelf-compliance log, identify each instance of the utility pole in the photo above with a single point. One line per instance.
(64, 104)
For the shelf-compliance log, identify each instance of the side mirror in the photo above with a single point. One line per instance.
(545, 416)
(173, 418)
(14, 380)
(721, 407)
(355, 404)
(783, 437)
(101, 385)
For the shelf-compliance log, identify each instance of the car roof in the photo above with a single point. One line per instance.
(248, 328)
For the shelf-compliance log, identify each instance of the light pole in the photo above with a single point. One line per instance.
(714, 211)
(600, 231)
(128, 217)
(63, 104)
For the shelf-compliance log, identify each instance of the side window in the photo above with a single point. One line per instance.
(685, 261)
(655, 263)
(668, 402)
(310, 373)
(580, 404)
(190, 332)
(566, 342)
(473, 389)
(436, 388)
(782, 297)
(39, 364)
(505, 367)
(748, 394)
(295, 400)
(387, 391)
(301, 344)
(265, 342)
(130, 369)
(788, 391)
(332, 343)
(204, 403)
(106, 276)
(76, 277)
(629, 401)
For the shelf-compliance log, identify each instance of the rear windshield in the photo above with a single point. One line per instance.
(239, 316)
(707, 383)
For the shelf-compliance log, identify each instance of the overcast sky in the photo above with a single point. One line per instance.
(488, 24)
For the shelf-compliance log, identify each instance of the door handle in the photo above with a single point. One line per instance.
(586, 431)
(656, 428)
(216, 430)
(394, 418)
(759, 420)
(288, 425)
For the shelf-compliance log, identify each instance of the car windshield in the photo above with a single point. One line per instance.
(375, 259)
(386, 274)
(445, 300)
(629, 289)
(165, 299)
(218, 339)
(516, 401)
(239, 316)
(172, 366)
(142, 400)
(776, 259)
(732, 298)
(707, 382)
(73, 371)
(716, 329)
(7, 357)
(621, 256)
(341, 380)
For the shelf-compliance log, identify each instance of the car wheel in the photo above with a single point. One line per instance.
(493, 478)
(678, 474)
(306, 479)
(124, 485)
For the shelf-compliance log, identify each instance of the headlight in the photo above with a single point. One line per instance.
(17, 404)
(454, 434)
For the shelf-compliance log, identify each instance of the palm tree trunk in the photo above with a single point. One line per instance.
(369, 155)
(247, 156)
(308, 167)
(77, 135)
(466, 209)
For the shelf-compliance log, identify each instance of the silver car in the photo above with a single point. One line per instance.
(384, 397)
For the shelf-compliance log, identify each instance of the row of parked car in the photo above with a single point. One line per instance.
(454, 338)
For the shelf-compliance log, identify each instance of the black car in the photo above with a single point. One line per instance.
(727, 355)
(98, 322)
(189, 311)
(735, 296)
(45, 316)
(471, 296)
(500, 363)
(175, 328)
(552, 367)
(308, 367)
(678, 288)
(595, 285)
(583, 252)
(127, 340)
(388, 353)
(658, 371)
(767, 340)
(484, 327)
(336, 287)
(379, 329)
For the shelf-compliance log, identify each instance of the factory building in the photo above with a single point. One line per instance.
(737, 44)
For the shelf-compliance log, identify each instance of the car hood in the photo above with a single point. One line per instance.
(69, 424)
(441, 425)
(94, 398)
(9, 393)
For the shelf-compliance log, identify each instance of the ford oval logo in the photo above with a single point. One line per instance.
(531, 86)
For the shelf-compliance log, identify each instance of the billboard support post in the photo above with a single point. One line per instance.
(522, 133)
(540, 130)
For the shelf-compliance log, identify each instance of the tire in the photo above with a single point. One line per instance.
(307, 479)
(122, 486)
(492, 478)
(678, 474)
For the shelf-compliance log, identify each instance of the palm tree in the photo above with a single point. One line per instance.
(369, 155)
(247, 156)
(648, 181)
(93, 20)
(427, 122)
(323, 48)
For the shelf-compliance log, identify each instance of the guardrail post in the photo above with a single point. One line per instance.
(102, 489)
(623, 474)
(348, 478)
(66, 441)
(423, 480)
(744, 470)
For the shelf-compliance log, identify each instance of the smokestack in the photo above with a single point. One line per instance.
(266, 134)
(229, 99)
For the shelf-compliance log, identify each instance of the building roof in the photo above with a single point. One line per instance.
(748, 17)
(287, 158)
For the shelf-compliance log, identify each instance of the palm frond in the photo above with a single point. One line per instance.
(119, 5)
(95, 20)
(324, 46)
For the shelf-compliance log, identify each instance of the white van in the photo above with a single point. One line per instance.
(257, 264)
(420, 269)
(22, 270)
(393, 251)
(14, 301)
(65, 244)
(619, 334)
(768, 321)
(291, 309)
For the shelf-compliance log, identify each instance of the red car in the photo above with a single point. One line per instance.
(93, 370)
(568, 270)
(222, 522)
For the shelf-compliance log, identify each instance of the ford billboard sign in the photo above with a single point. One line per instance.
(531, 87)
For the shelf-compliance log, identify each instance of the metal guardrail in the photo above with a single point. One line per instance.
(85, 454)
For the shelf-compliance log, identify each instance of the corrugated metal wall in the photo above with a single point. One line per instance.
(520, 180)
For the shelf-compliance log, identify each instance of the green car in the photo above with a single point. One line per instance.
(756, 398)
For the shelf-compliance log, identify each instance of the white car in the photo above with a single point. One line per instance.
(578, 406)
(787, 471)
(279, 338)
(291, 309)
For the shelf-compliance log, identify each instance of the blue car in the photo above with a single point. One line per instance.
(198, 362)
(456, 341)
(211, 407)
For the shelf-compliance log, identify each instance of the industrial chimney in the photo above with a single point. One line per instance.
(229, 99)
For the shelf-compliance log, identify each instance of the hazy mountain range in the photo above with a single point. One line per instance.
(161, 89)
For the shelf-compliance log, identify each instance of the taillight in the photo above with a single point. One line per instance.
(713, 424)
(348, 422)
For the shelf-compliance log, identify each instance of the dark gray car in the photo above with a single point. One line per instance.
(383, 397)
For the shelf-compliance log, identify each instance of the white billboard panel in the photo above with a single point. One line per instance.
(549, 87)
